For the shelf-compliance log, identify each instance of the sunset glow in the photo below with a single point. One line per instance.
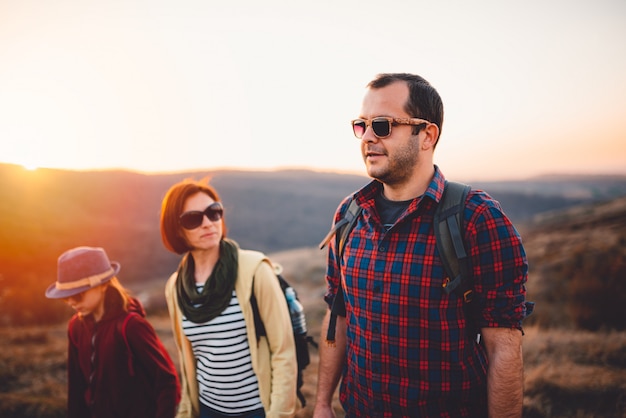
(30, 167)
(167, 87)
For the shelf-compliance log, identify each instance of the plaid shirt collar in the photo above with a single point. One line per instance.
(365, 196)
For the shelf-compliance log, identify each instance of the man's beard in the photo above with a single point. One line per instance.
(399, 167)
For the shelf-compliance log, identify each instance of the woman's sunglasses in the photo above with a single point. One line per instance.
(381, 125)
(193, 218)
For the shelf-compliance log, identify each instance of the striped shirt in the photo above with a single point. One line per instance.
(409, 352)
(226, 381)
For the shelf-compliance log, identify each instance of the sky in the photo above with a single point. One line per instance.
(529, 88)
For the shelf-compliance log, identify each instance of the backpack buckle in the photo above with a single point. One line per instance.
(446, 282)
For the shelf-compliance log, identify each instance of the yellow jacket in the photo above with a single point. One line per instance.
(273, 357)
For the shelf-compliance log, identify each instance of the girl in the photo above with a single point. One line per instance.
(117, 366)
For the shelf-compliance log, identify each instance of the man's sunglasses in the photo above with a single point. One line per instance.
(381, 125)
(193, 218)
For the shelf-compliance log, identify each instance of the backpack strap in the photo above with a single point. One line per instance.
(448, 224)
(122, 326)
(248, 263)
(341, 230)
(351, 215)
(259, 327)
(345, 225)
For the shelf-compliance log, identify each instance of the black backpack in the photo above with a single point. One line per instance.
(448, 223)
(302, 340)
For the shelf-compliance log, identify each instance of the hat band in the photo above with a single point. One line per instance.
(91, 281)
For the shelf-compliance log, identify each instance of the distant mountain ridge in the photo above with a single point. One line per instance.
(45, 212)
(584, 187)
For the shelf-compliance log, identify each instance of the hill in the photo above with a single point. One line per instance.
(44, 212)
(577, 266)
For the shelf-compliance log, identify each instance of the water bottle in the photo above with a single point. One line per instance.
(298, 322)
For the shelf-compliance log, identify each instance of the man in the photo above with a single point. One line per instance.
(405, 346)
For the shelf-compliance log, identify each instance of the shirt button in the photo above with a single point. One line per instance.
(382, 249)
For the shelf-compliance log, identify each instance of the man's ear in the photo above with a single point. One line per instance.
(431, 136)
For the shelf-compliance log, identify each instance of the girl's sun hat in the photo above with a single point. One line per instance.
(80, 269)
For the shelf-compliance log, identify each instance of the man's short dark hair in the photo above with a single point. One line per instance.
(424, 101)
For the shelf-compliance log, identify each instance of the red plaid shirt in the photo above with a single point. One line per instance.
(409, 352)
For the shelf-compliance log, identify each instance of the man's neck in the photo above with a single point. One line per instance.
(413, 187)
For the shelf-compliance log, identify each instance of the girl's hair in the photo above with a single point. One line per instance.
(121, 290)
(172, 207)
(114, 295)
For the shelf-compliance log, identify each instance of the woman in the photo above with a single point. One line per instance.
(225, 371)
(117, 366)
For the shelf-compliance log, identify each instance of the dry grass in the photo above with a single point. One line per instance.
(567, 373)
(33, 372)
(574, 373)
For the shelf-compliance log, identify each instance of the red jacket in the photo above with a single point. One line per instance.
(146, 385)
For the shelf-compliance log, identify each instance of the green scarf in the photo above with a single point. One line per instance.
(218, 289)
